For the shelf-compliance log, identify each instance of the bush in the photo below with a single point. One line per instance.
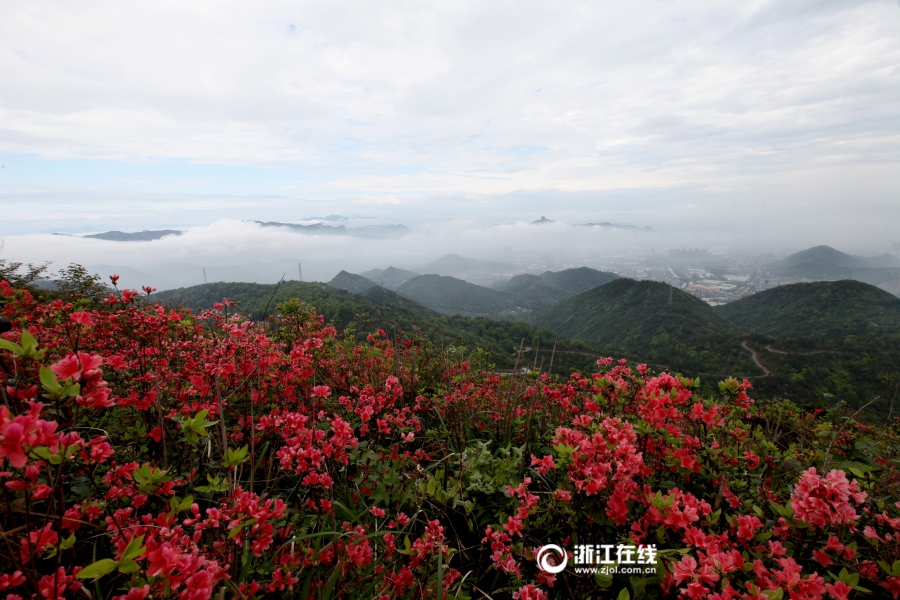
(151, 452)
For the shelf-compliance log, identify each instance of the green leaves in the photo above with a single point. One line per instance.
(660, 502)
(133, 551)
(564, 454)
(236, 456)
(64, 545)
(216, 484)
(784, 511)
(852, 579)
(240, 526)
(893, 570)
(43, 452)
(150, 478)
(56, 390)
(98, 569)
(177, 505)
(28, 350)
(195, 427)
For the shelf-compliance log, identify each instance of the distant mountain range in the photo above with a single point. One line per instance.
(170, 275)
(319, 228)
(454, 296)
(800, 341)
(454, 264)
(826, 263)
(450, 295)
(826, 255)
(371, 231)
(355, 284)
(444, 294)
(390, 277)
(616, 226)
(811, 343)
(140, 236)
(550, 287)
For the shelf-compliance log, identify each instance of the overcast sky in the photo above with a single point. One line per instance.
(774, 118)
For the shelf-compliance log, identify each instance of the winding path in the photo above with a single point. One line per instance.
(755, 357)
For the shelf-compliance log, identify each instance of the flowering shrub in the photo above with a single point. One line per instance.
(147, 452)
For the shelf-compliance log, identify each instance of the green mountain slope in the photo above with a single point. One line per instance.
(454, 264)
(650, 321)
(532, 291)
(390, 277)
(455, 296)
(817, 372)
(352, 283)
(339, 307)
(389, 298)
(824, 262)
(824, 309)
(451, 295)
(820, 254)
(378, 308)
(825, 341)
(548, 288)
(828, 255)
(578, 280)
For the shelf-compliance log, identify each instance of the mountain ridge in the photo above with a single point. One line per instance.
(821, 309)
(649, 319)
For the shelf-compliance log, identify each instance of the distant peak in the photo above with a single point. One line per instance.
(141, 236)
(542, 221)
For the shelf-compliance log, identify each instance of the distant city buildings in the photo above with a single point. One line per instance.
(715, 277)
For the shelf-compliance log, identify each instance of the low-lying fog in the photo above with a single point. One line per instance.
(234, 250)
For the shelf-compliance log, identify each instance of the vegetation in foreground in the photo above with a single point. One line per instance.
(848, 359)
(149, 452)
(496, 342)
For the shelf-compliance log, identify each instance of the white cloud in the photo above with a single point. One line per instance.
(759, 119)
(612, 94)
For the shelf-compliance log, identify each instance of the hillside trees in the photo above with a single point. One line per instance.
(147, 451)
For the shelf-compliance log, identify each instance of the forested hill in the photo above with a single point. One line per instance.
(257, 301)
(653, 322)
(455, 296)
(450, 295)
(378, 308)
(824, 262)
(646, 322)
(824, 309)
(548, 288)
(578, 280)
(825, 341)
(352, 283)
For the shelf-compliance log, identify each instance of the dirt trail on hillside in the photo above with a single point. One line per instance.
(755, 357)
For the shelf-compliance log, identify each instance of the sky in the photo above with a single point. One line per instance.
(770, 123)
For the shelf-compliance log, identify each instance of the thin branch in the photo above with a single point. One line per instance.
(825, 463)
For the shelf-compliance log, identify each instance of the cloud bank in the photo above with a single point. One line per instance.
(184, 113)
